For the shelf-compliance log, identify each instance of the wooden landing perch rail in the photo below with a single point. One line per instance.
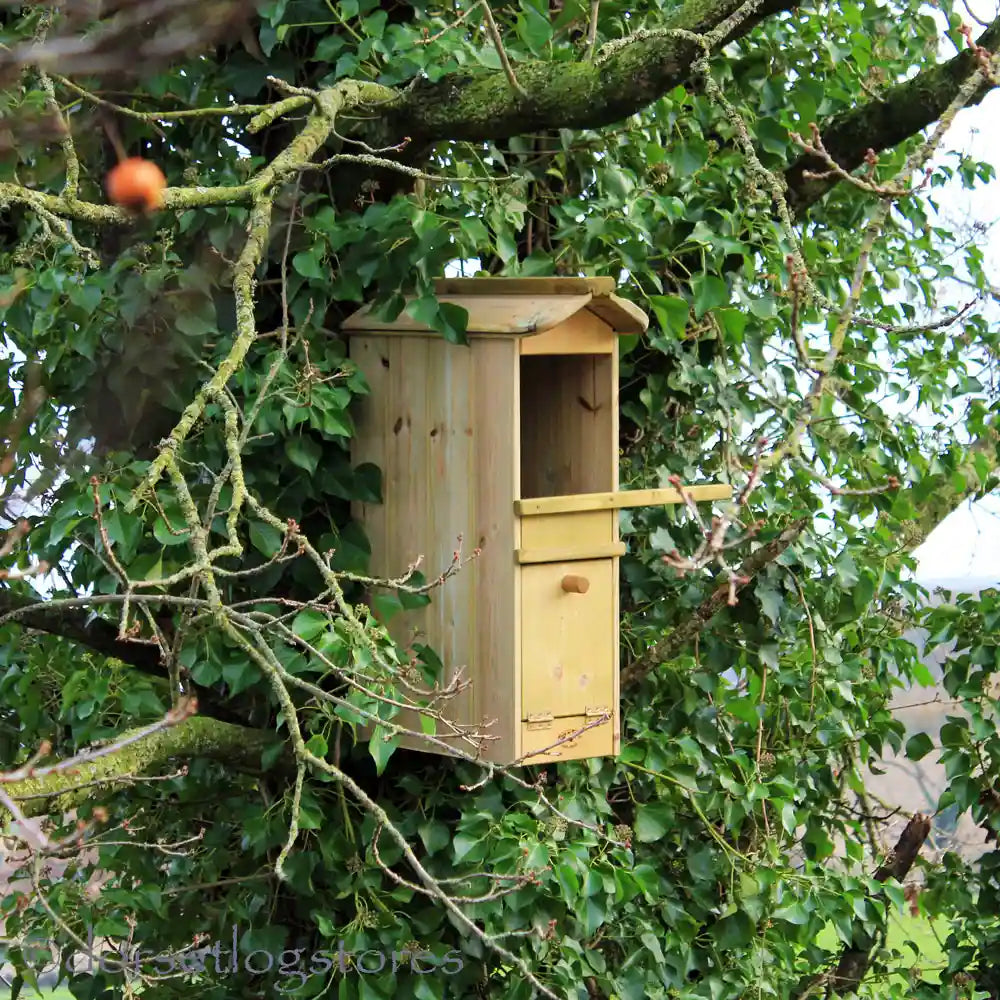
(618, 499)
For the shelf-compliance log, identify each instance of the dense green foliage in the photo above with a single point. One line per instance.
(700, 863)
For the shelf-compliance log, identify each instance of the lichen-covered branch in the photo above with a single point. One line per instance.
(260, 191)
(625, 77)
(59, 791)
(297, 156)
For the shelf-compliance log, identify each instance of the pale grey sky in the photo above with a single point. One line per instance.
(964, 550)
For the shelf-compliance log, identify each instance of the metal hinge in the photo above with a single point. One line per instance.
(594, 713)
(540, 720)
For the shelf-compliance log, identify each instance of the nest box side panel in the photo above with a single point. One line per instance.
(457, 471)
(616, 649)
(449, 430)
(397, 425)
(440, 423)
(582, 333)
(616, 697)
(495, 661)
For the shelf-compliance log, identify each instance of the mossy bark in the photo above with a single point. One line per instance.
(623, 80)
(60, 791)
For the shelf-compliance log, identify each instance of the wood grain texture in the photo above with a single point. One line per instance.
(622, 316)
(616, 720)
(567, 639)
(419, 426)
(493, 314)
(554, 531)
(582, 333)
(497, 630)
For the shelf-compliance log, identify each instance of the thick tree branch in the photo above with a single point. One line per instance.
(901, 112)
(854, 960)
(625, 77)
(635, 73)
(60, 791)
(81, 626)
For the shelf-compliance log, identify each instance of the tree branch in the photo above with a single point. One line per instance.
(81, 626)
(854, 960)
(625, 77)
(59, 791)
(666, 649)
(902, 112)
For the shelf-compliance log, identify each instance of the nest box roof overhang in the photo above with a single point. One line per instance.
(516, 306)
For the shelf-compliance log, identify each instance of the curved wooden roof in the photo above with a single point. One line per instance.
(518, 306)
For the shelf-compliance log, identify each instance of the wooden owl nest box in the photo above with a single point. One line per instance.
(511, 443)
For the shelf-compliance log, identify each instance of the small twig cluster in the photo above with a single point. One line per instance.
(983, 56)
(864, 182)
(713, 537)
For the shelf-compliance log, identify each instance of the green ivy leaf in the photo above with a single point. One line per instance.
(265, 538)
(735, 931)
(652, 820)
(307, 264)
(309, 623)
(919, 746)
(794, 912)
(710, 292)
(304, 452)
(671, 313)
(381, 748)
(434, 834)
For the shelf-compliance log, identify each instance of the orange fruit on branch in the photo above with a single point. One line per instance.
(136, 184)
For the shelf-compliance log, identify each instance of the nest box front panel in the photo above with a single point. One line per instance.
(567, 638)
(569, 739)
(569, 654)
